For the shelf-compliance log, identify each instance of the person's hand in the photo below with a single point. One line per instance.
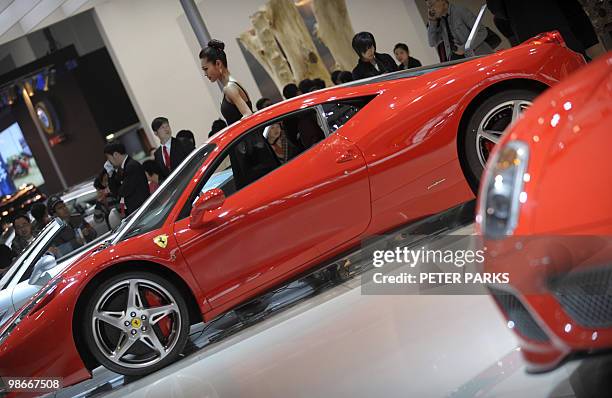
(460, 52)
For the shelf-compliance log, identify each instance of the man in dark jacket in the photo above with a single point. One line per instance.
(128, 180)
(370, 62)
(106, 203)
(171, 151)
(529, 18)
(77, 231)
(41, 217)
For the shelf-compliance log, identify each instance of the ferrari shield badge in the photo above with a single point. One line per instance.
(161, 241)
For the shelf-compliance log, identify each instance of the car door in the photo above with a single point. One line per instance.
(286, 218)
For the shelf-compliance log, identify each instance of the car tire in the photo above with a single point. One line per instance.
(153, 340)
(489, 120)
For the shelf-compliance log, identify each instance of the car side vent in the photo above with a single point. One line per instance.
(516, 312)
(586, 296)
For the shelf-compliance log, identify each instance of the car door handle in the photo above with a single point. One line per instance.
(347, 156)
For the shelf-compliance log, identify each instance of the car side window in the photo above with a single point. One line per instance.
(273, 144)
(246, 161)
(339, 112)
(262, 150)
(222, 177)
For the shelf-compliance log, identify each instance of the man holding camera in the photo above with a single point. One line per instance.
(451, 24)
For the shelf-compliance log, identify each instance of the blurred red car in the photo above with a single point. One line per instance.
(273, 196)
(545, 211)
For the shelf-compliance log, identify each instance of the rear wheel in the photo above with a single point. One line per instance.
(487, 125)
(136, 323)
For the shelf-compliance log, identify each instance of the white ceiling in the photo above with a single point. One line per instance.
(20, 17)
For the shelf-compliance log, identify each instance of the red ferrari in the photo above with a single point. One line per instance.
(272, 196)
(545, 214)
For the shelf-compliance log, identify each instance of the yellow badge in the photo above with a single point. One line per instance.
(161, 241)
(136, 323)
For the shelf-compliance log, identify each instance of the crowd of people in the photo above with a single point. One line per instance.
(124, 184)
(76, 232)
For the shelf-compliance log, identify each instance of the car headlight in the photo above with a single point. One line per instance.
(44, 294)
(501, 193)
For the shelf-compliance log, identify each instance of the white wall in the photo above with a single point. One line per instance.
(226, 20)
(156, 53)
(156, 64)
(391, 22)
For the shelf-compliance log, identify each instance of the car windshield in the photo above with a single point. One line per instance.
(155, 210)
(26, 253)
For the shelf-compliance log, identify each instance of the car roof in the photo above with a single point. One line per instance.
(406, 73)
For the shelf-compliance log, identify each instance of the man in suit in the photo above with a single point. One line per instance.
(128, 180)
(451, 24)
(171, 151)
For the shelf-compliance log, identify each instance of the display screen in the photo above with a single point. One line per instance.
(17, 165)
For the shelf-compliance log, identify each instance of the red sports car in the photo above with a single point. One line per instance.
(545, 213)
(280, 192)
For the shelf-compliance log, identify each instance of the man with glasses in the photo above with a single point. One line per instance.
(23, 233)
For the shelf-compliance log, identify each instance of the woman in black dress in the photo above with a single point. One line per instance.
(236, 103)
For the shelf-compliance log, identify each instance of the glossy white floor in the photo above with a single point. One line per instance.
(350, 347)
(341, 343)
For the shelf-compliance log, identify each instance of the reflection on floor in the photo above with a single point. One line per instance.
(319, 336)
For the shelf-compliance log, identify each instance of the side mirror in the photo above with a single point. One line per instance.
(46, 263)
(202, 210)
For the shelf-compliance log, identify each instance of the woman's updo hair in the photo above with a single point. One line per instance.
(213, 52)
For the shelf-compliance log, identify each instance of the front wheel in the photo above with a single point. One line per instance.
(136, 323)
(487, 125)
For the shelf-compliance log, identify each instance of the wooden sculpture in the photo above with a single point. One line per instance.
(260, 42)
(335, 30)
(295, 40)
